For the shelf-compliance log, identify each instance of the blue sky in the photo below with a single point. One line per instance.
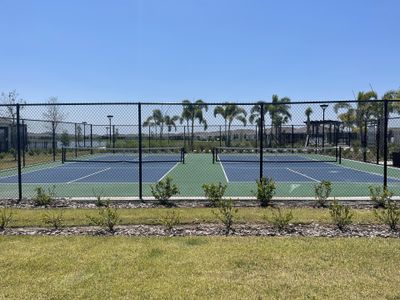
(169, 50)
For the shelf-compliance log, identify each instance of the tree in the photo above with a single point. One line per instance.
(156, 119)
(279, 113)
(229, 113)
(65, 139)
(170, 122)
(308, 112)
(192, 112)
(10, 100)
(53, 113)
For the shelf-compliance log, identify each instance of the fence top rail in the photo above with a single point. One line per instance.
(188, 104)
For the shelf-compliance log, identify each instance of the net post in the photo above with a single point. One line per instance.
(19, 153)
(213, 155)
(385, 142)
(183, 155)
(62, 155)
(261, 138)
(140, 152)
(340, 155)
(53, 139)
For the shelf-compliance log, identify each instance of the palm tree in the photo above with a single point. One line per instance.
(348, 117)
(170, 122)
(279, 113)
(255, 115)
(229, 113)
(192, 112)
(308, 112)
(156, 119)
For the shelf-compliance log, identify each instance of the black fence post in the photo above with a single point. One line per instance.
(149, 135)
(365, 142)
(292, 136)
(53, 139)
(385, 141)
(19, 153)
(261, 139)
(91, 138)
(378, 140)
(23, 144)
(140, 152)
(76, 140)
(220, 135)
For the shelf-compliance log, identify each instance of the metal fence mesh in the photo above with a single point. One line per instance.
(122, 149)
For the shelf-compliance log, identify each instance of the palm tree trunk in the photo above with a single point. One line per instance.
(229, 134)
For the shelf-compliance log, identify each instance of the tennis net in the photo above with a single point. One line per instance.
(122, 155)
(277, 155)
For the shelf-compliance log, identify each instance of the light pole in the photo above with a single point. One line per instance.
(324, 107)
(110, 117)
(84, 134)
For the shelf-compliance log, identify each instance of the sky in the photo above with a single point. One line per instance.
(225, 50)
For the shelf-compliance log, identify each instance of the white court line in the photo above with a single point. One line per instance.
(31, 171)
(367, 172)
(169, 171)
(304, 175)
(83, 177)
(223, 170)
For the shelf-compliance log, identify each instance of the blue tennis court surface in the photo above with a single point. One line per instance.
(95, 172)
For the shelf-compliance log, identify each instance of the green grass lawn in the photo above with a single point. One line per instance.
(198, 268)
(78, 217)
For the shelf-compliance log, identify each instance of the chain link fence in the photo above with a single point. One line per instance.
(120, 150)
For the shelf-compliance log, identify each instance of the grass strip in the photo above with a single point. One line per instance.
(78, 217)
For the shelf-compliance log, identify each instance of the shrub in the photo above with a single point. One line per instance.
(100, 202)
(279, 219)
(322, 192)
(43, 197)
(6, 216)
(31, 152)
(340, 214)
(390, 215)
(108, 218)
(170, 219)
(54, 218)
(379, 196)
(226, 214)
(265, 191)
(214, 192)
(164, 190)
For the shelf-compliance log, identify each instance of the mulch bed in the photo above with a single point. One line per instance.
(297, 230)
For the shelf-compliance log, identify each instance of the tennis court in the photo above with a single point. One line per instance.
(117, 174)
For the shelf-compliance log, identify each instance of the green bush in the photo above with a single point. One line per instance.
(214, 193)
(379, 196)
(340, 214)
(171, 219)
(279, 219)
(390, 215)
(54, 218)
(322, 193)
(226, 213)
(6, 216)
(31, 152)
(43, 197)
(265, 191)
(164, 190)
(108, 218)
